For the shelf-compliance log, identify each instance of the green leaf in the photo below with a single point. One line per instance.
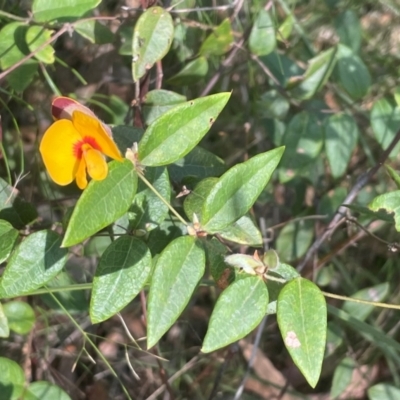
(334, 338)
(4, 328)
(282, 67)
(178, 131)
(194, 201)
(171, 228)
(390, 202)
(393, 174)
(152, 38)
(286, 28)
(385, 122)
(317, 74)
(61, 10)
(22, 77)
(302, 320)
(383, 391)
(178, 270)
(36, 36)
(41, 390)
(303, 140)
(262, 40)
(372, 334)
(199, 164)
(126, 136)
(102, 202)
(14, 210)
(94, 31)
(272, 105)
(13, 48)
(157, 102)
(33, 263)
(396, 95)
(342, 376)
(341, 135)
(20, 315)
(375, 293)
(237, 190)
(8, 237)
(348, 28)
(352, 73)
(122, 272)
(192, 72)
(243, 231)
(12, 379)
(219, 41)
(239, 309)
(148, 209)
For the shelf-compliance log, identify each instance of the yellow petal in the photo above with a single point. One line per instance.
(81, 179)
(92, 127)
(57, 150)
(96, 164)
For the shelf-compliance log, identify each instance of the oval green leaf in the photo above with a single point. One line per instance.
(12, 379)
(178, 270)
(61, 10)
(36, 36)
(353, 74)
(4, 328)
(41, 390)
(348, 28)
(375, 293)
(342, 376)
(122, 272)
(159, 101)
(303, 140)
(341, 135)
(262, 40)
(318, 72)
(152, 38)
(302, 320)
(219, 41)
(390, 202)
(177, 132)
(148, 209)
(102, 202)
(192, 72)
(237, 190)
(383, 391)
(34, 262)
(94, 31)
(199, 164)
(20, 315)
(385, 122)
(8, 236)
(239, 309)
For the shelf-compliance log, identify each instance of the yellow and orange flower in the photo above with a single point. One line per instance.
(75, 144)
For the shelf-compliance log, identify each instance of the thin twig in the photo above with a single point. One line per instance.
(190, 364)
(360, 183)
(260, 329)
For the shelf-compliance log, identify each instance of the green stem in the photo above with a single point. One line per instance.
(150, 186)
(87, 338)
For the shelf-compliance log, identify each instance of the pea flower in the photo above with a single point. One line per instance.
(76, 144)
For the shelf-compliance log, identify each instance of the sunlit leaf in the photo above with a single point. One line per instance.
(302, 319)
(152, 38)
(239, 309)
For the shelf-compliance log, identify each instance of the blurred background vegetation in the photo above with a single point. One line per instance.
(322, 78)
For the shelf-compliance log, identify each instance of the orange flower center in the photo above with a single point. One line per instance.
(82, 146)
